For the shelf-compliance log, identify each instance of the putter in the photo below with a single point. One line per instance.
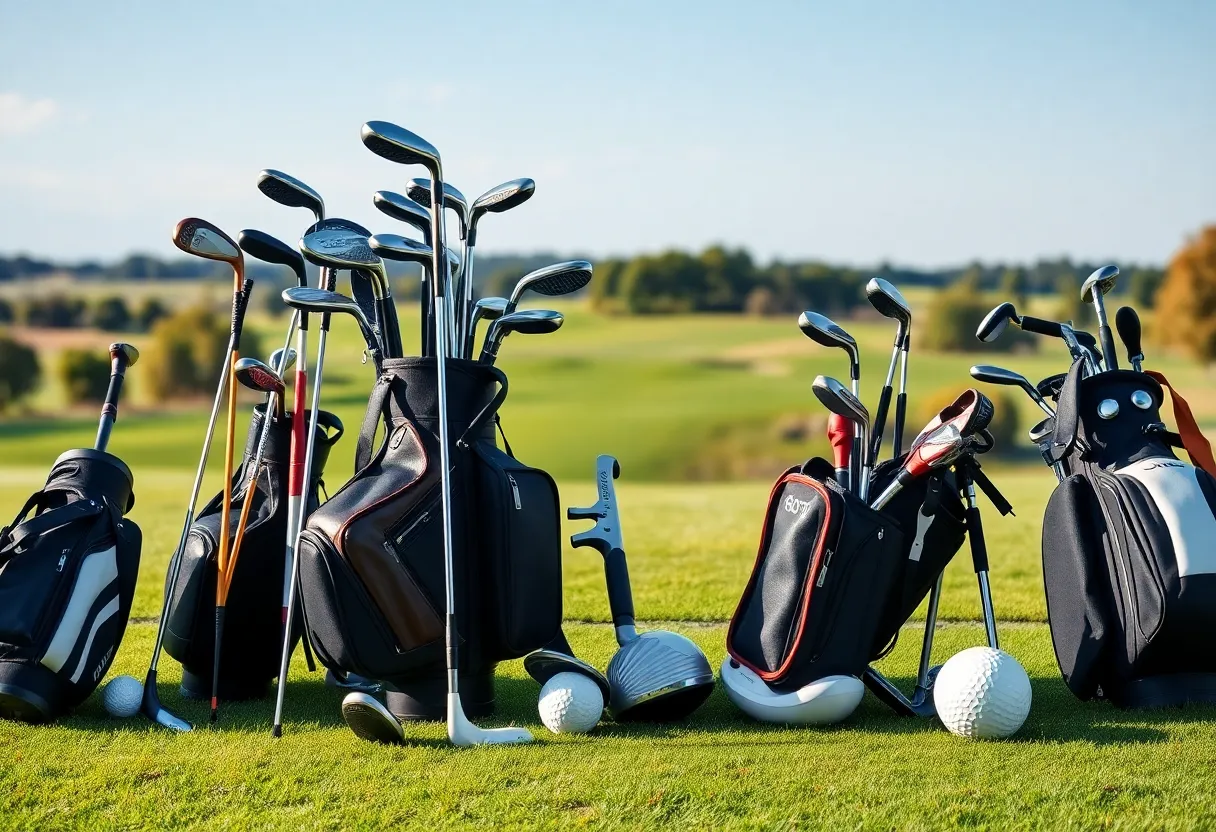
(891, 304)
(656, 676)
(489, 309)
(346, 249)
(403, 147)
(999, 375)
(406, 210)
(840, 400)
(502, 198)
(527, 321)
(558, 279)
(1093, 291)
(122, 356)
(1128, 324)
(824, 331)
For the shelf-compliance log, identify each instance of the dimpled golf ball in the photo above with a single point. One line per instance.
(982, 693)
(122, 696)
(570, 703)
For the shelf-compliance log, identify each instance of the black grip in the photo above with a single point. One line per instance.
(901, 412)
(1128, 324)
(240, 302)
(1041, 327)
(979, 549)
(620, 596)
(880, 422)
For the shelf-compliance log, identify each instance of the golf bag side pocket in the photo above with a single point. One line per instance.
(519, 524)
(67, 580)
(825, 566)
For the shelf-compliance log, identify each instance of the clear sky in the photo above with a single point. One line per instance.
(925, 133)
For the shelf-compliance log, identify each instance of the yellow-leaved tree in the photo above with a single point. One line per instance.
(1186, 301)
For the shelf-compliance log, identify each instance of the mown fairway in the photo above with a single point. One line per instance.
(658, 394)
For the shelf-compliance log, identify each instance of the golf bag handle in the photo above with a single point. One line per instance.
(489, 411)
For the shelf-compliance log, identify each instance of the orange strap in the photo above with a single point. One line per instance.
(1196, 444)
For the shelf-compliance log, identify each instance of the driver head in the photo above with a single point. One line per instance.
(399, 145)
(558, 279)
(1101, 281)
(884, 297)
(340, 248)
(287, 190)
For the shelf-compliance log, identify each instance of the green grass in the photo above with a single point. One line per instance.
(706, 398)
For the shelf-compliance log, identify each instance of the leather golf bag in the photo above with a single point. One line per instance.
(1129, 546)
(372, 558)
(68, 565)
(253, 633)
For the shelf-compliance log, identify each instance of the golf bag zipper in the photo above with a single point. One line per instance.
(515, 492)
(823, 570)
(1110, 483)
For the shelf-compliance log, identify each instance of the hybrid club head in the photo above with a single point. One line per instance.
(1101, 282)
(402, 249)
(319, 301)
(994, 322)
(396, 144)
(268, 249)
(991, 374)
(419, 190)
(282, 360)
(486, 309)
(884, 297)
(203, 239)
(824, 331)
(502, 198)
(558, 279)
(341, 248)
(258, 375)
(840, 400)
(1127, 322)
(287, 190)
(528, 322)
(405, 210)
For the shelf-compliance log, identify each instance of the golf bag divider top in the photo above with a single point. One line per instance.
(253, 638)
(826, 565)
(67, 580)
(1129, 549)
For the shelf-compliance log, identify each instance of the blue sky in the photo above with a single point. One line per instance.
(925, 133)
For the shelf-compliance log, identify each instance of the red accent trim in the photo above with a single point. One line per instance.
(816, 563)
(1196, 444)
(299, 446)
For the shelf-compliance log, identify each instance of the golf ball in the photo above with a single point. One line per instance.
(570, 703)
(122, 696)
(982, 692)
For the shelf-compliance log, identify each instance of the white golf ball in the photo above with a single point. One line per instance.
(982, 693)
(570, 703)
(122, 696)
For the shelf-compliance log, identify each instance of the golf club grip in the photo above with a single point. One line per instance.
(1041, 327)
(975, 533)
(620, 596)
(880, 422)
(109, 410)
(901, 412)
(1108, 347)
(240, 302)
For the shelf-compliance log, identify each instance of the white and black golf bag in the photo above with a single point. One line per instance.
(1129, 545)
(67, 578)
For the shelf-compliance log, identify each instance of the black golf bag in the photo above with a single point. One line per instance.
(67, 578)
(1129, 546)
(834, 579)
(372, 557)
(253, 632)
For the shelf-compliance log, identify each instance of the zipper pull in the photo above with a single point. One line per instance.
(63, 559)
(515, 491)
(823, 570)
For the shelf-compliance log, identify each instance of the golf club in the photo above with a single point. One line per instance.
(406, 210)
(1093, 291)
(971, 412)
(999, 375)
(502, 198)
(287, 190)
(403, 147)
(824, 331)
(558, 279)
(122, 356)
(489, 309)
(346, 249)
(361, 286)
(1128, 324)
(324, 302)
(1080, 345)
(262, 377)
(891, 304)
(419, 190)
(840, 400)
(528, 321)
(656, 676)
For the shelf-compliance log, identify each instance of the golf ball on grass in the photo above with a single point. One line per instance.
(982, 693)
(122, 696)
(570, 703)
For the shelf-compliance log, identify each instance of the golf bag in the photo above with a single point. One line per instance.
(1129, 546)
(253, 635)
(834, 579)
(67, 578)
(372, 558)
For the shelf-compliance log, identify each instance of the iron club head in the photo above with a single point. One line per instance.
(405, 210)
(287, 190)
(823, 330)
(884, 297)
(268, 249)
(529, 322)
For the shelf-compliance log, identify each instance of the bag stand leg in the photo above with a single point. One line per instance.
(979, 555)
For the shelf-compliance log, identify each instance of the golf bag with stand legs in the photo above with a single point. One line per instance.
(253, 637)
(372, 565)
(67, 579)
(1129, 545)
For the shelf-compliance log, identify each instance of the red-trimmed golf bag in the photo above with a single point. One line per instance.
(372, 561)
(1129, 546)
(67, 579)
(253, 633)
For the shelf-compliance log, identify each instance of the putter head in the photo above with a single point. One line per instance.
(126, 352)
(150, 707)
(1101, 281)
(399, 145)
(606, 535)
(840, 400)
(558, 279)
(884, 297)
(419, 190)
(660, 676)
(403, 249)
(503, 197)
(341, 248)
(262, 246)
(994, 322)
(287, 190)
(257, 375)
(203, 239)
(277, 360)
(405, 210)
(543, 665)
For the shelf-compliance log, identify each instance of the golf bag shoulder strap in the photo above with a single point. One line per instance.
(990, 490)
(490, 411)
(35, 527)
(1193, 440)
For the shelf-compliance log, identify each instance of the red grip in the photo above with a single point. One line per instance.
(299, 440)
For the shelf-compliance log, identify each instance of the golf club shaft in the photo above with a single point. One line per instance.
(979, 556)
(926, 646)
(901, 403)
(1109, 356)
(857, 456)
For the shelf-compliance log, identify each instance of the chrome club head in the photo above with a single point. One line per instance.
(501, 198)
(884, 297)
(287, 190)
(405, 210)
(282, 360)
(558, 279)
(203, 239)
(994, 322)
(824, 331)
(257, 375)
(484, 309)
(419, 190)
(1100, 282)
(658, 676)
(262, 246)
(991, 374)
(401, 249)
(528, 322)
(320, 301)
(840, 400)
(399, 145)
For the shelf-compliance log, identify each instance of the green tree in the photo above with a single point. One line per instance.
(110, 314)
(20, 371)
(84, 374)
(7, 313)
(149, 312)
(57, 311)
(187, 353)
(1013, 286)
